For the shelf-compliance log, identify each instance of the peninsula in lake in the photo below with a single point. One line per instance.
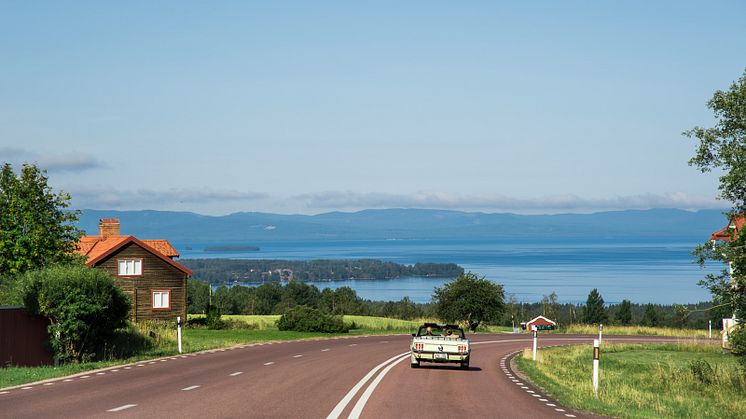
(223, 271)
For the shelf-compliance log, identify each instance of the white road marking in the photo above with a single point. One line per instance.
(268, 363)
(236, 373)
(140, 365)
(560, 410)
(26, 388)
(353, 344)
(358, 409)
(86, 376)
(128, 368)
(114, 370)
(100, 373)
(189, 388)
(569, 415)
(340, 407)
(543, 400)
(151, 362)
(529, 391)
(164, 360)
(324, 350)
(551, 405)
(536, 395)
(48, 384)
(117, 409)
(66, 380)
(297, 356)
(4, 392)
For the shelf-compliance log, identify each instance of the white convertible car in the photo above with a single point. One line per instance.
(440, 343)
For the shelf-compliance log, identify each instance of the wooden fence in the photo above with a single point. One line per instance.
(23, 339)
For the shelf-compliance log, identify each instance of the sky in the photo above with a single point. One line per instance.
(311, 107)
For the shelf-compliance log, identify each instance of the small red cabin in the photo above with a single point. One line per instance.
(540, 323)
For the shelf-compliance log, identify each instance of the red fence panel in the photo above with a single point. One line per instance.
(23, 339)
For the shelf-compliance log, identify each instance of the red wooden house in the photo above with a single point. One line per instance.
(145, 270)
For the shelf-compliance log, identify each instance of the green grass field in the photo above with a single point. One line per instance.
(643, 381)
(582, 329)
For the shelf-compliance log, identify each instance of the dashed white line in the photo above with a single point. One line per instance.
(128, 368)
(551, 405)
(189, 388)
(297, 356)
(268, 363)
(151, 362)
(140, 365)
(86, 376)
(48, 384)
(352, 344)
(569, 415)
(325, 350)
(67, 380)
(236, 373)
(114, 370)
(4, 392)
(530, 391)
(560, 410)
(117, 409)
(536, 395)
(100, 373)
(543, 400)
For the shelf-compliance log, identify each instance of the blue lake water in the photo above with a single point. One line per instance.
(643, 272)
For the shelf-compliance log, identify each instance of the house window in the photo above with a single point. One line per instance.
(162, 300)
(129, 267)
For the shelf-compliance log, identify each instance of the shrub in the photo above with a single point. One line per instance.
(83, 305)
(306, 319)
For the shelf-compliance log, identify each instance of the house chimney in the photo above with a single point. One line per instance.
(108, 227)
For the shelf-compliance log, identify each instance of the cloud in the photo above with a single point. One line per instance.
(567, 202)
(113, 198)
(61, 162)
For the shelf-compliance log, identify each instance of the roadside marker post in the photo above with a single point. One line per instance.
(536, 338)
(600, 332)
(178, 331)
(709, 328)
(595, 366)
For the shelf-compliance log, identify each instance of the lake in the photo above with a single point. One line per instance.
(644, 271)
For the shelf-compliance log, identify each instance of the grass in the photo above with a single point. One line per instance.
(643, 380)
(583, 329)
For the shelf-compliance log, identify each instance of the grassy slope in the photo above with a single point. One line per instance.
(642, 381)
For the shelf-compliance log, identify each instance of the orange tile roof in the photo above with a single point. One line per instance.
(162, 246)
(97, 247)
(730, 231)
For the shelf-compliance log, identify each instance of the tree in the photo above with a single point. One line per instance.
(36, 230)
(624, 315)
(650, 317)
(549, 306)
(723, 148)
(469, 299)
(594, 311)
(198, 293)
(83, 305)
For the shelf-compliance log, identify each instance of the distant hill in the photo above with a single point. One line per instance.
(387, 224)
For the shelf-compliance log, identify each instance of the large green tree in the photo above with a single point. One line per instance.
(723, 148)
(36, 230)
(471, 300)
(624, 314)
(594, 311)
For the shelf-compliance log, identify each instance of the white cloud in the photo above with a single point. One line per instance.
(61, 162)
(565, 202)
(113, 198)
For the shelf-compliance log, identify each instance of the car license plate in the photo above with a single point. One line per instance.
(441, 356)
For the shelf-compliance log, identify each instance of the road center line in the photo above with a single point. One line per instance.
(236, 373)
(117, 409)
(325, 350)
(189, 388)
(297, 356)
(358, 409)
(268, 363)
(340, 407)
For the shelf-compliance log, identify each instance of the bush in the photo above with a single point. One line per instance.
(306, 319)
(83, 305)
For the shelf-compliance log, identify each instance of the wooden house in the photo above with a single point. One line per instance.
(145, 270)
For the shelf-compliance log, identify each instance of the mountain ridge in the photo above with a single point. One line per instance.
(403, 223)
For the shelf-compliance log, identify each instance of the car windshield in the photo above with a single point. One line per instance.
(441, 331)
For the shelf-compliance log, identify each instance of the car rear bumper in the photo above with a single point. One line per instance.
(431, 357)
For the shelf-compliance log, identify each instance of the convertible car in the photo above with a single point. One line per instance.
(440, 343)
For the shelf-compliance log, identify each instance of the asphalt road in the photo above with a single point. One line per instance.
(366, 377)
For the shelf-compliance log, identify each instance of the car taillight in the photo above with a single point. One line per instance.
(419, 346)
(462, 348)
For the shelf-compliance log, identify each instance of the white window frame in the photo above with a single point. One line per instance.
(132, 267)
(157, 299)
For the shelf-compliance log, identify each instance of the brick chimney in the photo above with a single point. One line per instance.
(108, 227)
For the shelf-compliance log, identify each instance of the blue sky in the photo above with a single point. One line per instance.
(308, 107)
